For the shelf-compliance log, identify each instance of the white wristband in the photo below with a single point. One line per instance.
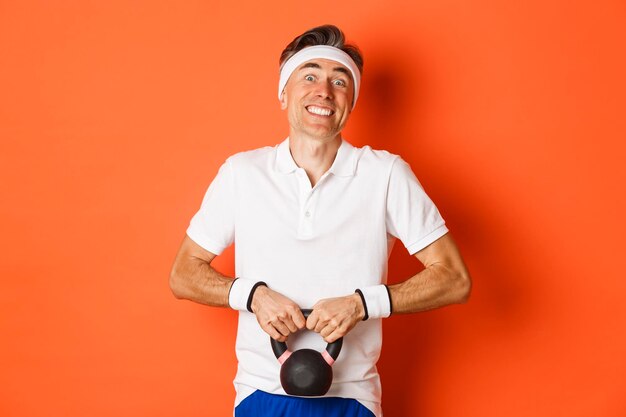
(377, 300)
(239, 293)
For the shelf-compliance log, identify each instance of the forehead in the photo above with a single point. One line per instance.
(325, 65)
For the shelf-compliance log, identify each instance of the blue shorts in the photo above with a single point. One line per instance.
(262, 404)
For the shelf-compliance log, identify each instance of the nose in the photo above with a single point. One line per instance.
(325, 89)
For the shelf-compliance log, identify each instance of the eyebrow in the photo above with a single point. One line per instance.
(317, 66)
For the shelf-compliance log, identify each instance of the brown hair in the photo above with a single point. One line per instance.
(322, 35)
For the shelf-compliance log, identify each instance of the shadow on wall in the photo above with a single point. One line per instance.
(417, 346)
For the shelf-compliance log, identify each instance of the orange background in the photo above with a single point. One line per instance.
(114, 117)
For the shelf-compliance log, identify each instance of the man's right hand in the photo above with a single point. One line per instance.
(277, 315)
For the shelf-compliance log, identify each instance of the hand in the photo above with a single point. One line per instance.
(277, 315)
(333, 318)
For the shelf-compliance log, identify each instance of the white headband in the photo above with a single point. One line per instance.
(319, 51)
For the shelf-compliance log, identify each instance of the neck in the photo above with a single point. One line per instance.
(314, 155)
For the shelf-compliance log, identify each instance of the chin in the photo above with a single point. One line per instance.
(323, 133)
(324, 136)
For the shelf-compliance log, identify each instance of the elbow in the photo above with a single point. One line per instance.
(464, 287)
(176, 285)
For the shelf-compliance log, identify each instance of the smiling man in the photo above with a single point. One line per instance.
(318, 96)
(314, 220)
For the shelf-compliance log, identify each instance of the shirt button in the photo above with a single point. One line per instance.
(307, 214)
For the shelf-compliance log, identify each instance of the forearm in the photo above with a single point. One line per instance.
(436, 286)
(196, 280)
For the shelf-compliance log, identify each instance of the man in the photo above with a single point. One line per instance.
(314, 220)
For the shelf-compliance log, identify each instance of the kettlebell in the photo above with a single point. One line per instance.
(306, 372)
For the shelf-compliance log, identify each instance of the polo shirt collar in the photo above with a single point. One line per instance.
(344, 164)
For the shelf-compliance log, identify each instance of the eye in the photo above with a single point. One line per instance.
(340, 83)
(309, 77)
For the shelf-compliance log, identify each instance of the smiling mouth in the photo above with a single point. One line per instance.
(320, 111)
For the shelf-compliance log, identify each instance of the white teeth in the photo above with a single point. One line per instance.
(319, 111)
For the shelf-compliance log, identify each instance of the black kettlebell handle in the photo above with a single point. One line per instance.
(282, 352)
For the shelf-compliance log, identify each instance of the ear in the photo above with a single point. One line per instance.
(283, 101)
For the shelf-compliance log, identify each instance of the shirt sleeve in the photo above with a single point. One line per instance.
(412, 216)
(213, 226)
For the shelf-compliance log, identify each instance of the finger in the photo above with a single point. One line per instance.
(269, 329)
(280, 327)
(320, 325)
(338, 332)
(288, 321)
(298, 319)
(281, 338)
(311, 322)
(327, 331)
(335, 335)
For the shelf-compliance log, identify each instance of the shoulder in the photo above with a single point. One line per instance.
(377, 160)
(383, 165)
(379, 155)
(251, 161)
(254, 156)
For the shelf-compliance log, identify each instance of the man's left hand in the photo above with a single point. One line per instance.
(333, 318)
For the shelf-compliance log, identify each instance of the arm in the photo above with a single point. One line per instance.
(193, 278)
(445, 280)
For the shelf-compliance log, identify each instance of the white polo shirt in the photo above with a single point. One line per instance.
(310, 243)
